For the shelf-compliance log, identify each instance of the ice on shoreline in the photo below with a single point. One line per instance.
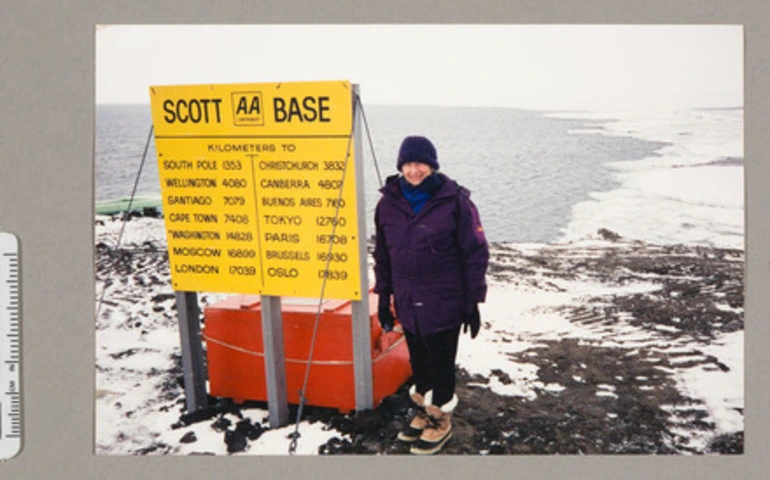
(691, 192)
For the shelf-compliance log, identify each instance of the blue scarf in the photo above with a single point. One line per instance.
(418, 196)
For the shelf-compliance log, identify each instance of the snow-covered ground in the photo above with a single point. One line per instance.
(538, 293)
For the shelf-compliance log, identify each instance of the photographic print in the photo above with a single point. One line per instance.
(599, 167)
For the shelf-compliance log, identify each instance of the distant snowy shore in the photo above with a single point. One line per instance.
(597, 345)
(691, 190)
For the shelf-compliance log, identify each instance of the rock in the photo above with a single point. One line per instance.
(367, 421)
(151, 212)
(335, 445)
(221, 424)
(247, 429)
(608, 235)
(728, 443)
(505, 379)
(124, 353)
(394, 405)
(161, 297)
(236, 441)
(188, 437)
(255, 432)
(496, 449)
(244, 426)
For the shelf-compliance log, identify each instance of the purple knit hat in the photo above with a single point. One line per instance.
(417, 149)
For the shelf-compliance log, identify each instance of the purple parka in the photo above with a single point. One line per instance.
(434, 262)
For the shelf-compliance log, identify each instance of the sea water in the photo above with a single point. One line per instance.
(673, 177)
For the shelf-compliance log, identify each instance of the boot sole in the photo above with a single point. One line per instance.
(412, 436)
(429, 448)
(405, 438)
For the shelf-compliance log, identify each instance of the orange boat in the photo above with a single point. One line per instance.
(236, 359)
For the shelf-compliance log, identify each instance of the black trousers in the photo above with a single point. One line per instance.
(433, 363)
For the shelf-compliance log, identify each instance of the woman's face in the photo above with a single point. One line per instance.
(415, 172)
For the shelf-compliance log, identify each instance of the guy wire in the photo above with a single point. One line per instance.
(295, 435)
(369, 137)
(127, 213)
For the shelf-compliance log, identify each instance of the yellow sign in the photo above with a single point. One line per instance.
(258, 182)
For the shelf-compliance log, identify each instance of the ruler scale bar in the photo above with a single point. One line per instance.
(10, 349)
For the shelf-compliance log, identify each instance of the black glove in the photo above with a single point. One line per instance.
(472, 320)
(385, 315)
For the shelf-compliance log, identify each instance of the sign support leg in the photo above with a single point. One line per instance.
(275, 366)
(196, 397)
(362, 354)
(362, 329)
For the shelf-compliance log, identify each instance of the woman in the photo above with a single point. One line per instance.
(431, 255)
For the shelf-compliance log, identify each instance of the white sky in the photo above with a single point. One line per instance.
(526, 66)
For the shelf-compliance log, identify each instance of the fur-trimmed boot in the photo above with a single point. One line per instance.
(418, 422)
(439, 428)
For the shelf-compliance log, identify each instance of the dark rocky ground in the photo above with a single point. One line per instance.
(576, 420)
(635, 420)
